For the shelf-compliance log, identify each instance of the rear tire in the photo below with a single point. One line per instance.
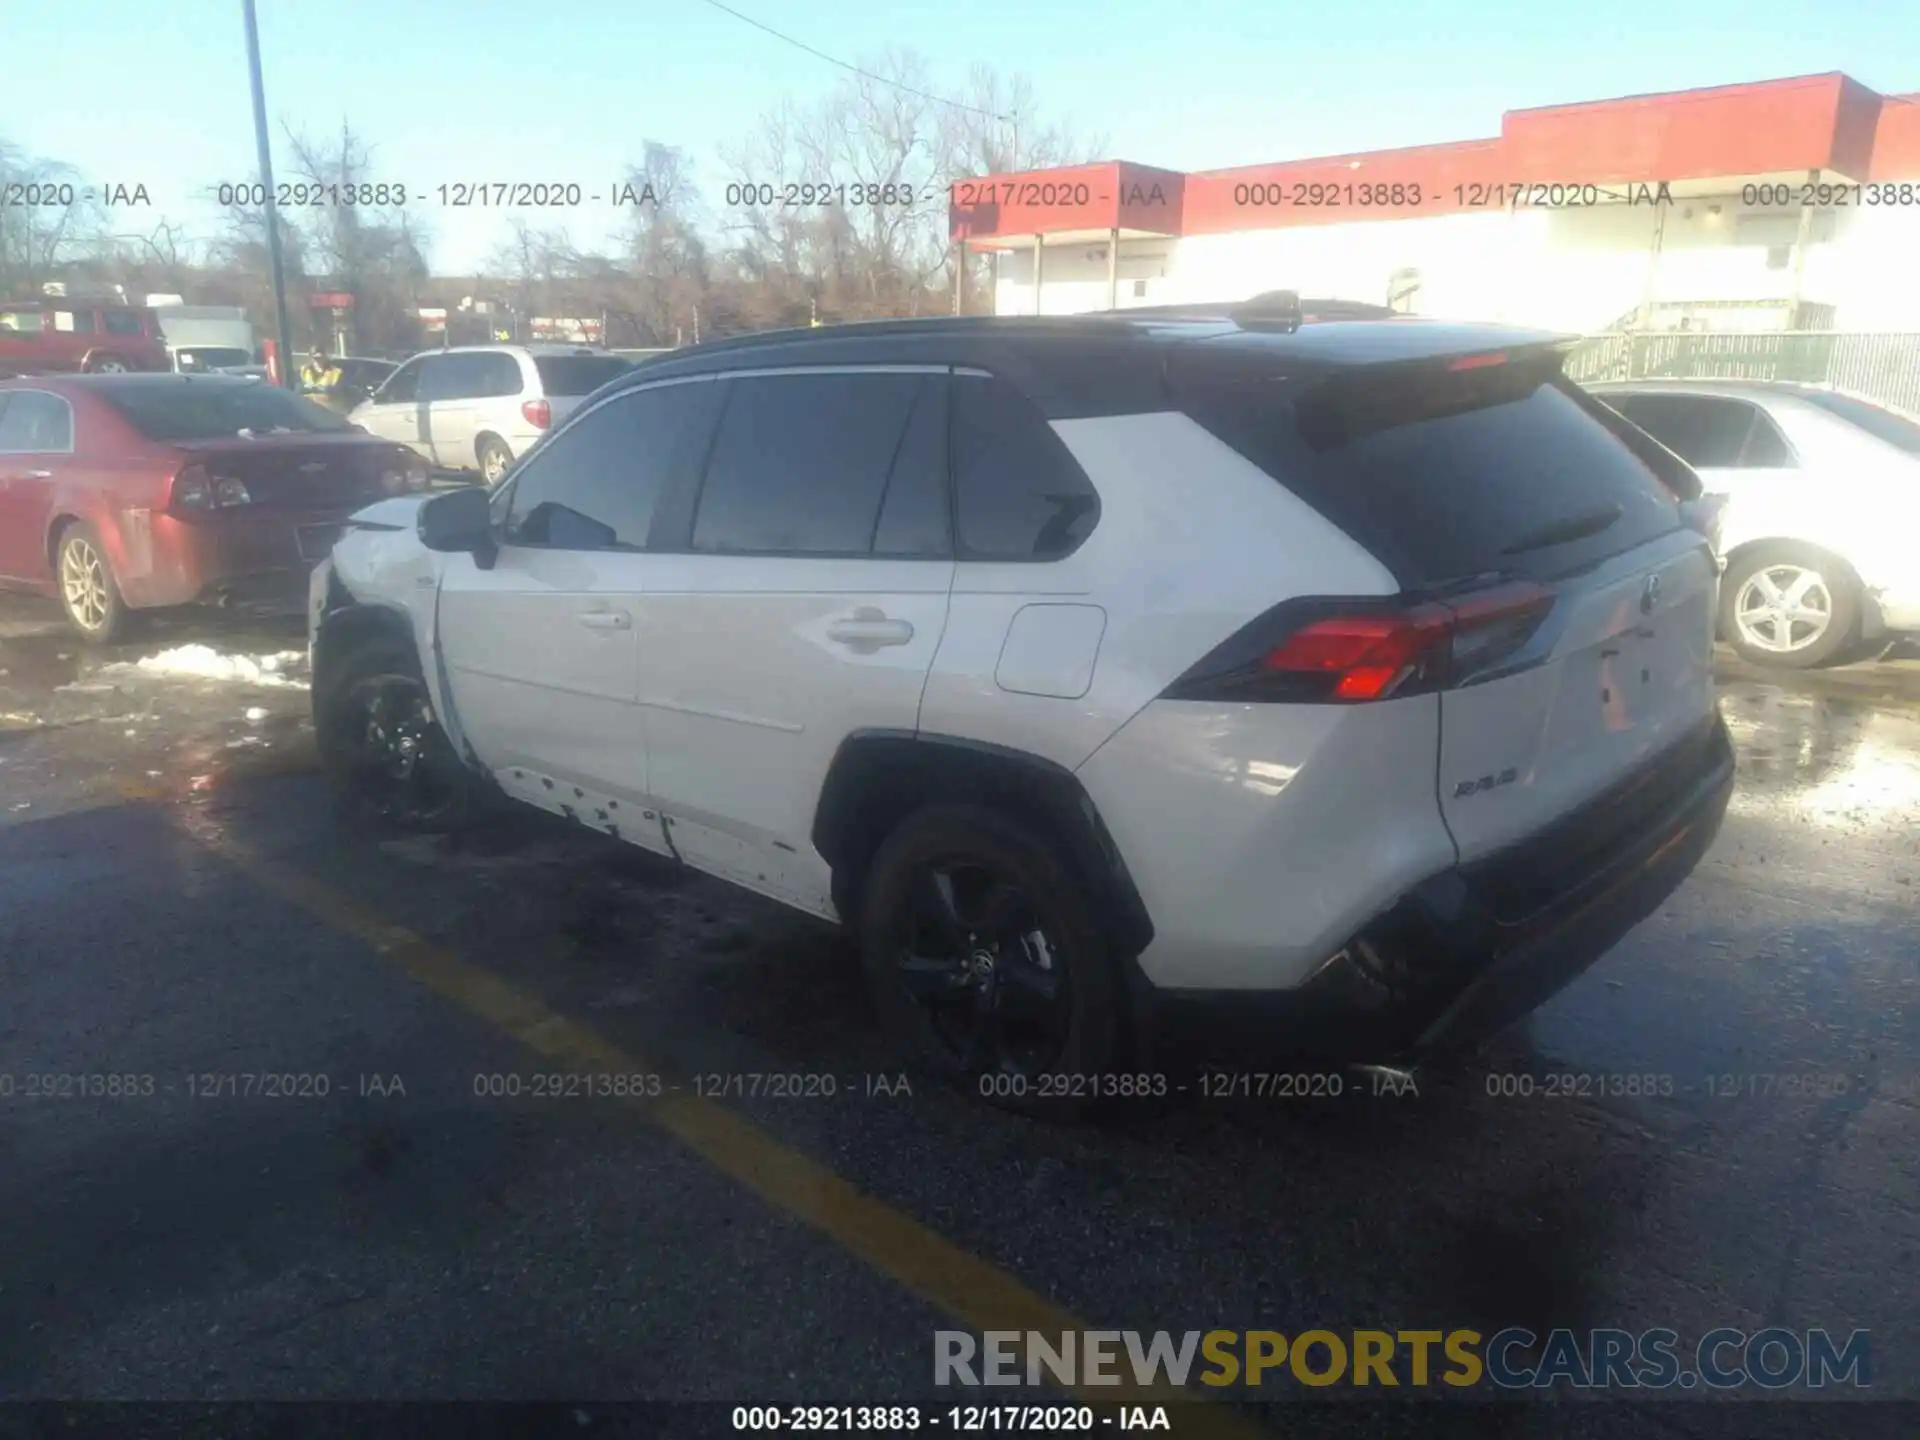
(108, 365)
(1789, 606)
(390, 763)
(89, 595)
(494, 457)
(987, 964)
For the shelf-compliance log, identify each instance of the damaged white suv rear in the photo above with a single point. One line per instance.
(1130, 685)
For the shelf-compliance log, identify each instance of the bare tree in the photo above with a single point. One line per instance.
(367, 250)
(53, 224)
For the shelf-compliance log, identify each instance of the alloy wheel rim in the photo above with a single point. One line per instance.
(977, 958)
(495, 465)
(83, 584)
(1783, 609)
(393, 749)
(110, 367)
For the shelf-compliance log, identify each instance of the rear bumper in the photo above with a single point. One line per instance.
(1473, 949)
(263, 555)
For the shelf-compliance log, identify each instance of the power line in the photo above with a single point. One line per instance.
(864, 74)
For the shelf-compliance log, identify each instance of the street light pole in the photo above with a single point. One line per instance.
(261, 138)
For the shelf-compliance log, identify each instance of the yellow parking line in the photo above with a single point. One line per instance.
(973, 1291)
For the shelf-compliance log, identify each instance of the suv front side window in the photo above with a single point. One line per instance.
(403, 386)
(594, 485)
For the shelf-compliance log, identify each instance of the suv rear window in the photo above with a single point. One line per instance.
(1449, 475)
(565, 375)
(201, 411)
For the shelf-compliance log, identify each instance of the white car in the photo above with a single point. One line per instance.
(1342, 687)
(1820, 530)
(480, 407)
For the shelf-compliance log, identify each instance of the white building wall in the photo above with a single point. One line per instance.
(1576, 270)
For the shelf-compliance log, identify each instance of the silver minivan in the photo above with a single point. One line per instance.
(479, 407)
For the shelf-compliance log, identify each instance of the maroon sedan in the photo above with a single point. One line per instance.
(133, 492)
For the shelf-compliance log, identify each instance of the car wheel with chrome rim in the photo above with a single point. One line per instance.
(1788, 606)
(88, 592)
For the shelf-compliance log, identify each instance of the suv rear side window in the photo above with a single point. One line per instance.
(802, 463)
(1445, 476)
(123, 322)
(567, 375)
(1018, 492)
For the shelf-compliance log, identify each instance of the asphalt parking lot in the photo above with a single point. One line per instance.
(396, 1213)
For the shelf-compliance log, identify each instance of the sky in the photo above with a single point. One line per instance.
(154, 92)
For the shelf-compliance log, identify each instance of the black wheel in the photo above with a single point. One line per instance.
(389, 761)
(494, 457)
(1789, 606)
(88, 592)
(986, 962)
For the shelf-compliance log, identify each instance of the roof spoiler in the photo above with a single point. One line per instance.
(1281, 310)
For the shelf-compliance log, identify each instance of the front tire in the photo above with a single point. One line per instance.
(987, 964)
(391, 764)
(1789, 606)
(89, 594)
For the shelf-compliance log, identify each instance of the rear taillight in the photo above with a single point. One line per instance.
(1322, 652)
(539, 414)
(195, 492)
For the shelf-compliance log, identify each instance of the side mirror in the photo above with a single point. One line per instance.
(460, 521)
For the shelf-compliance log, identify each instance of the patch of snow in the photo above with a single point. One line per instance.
(255, 713)
(203, 662)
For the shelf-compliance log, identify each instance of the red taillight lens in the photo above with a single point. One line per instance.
(1371, 653)
(539, 414)
(1478, 362)
(1367, 657)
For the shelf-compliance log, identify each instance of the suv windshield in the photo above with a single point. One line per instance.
(568, 375)
(200, 411)
(1896, 430)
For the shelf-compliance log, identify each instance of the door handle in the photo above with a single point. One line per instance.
(870, 629)
(605, 619)
(39, 474)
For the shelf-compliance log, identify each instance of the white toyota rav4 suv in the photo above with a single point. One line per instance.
(1343, 688)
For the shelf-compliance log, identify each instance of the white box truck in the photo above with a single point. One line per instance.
(202, 338)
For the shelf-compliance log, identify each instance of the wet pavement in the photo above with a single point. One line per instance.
(1714, 1127)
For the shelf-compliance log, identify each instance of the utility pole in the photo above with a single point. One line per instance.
(262, 139)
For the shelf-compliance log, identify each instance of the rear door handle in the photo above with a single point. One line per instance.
(869, 631)
(39, 475)
(605, 619)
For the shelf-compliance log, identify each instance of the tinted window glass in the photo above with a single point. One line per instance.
(35, 420)
(454, 377)
(403, 386)
(1018, 492)
(79, 322)
(209, 357)
(124, 322)
(594, 485)
(1702, 431)
(496, 375)
(20, 322)
(801, 463)
(577, 374)
(209, 410)
(1896, 430)
(916, 518)
(1445, 476)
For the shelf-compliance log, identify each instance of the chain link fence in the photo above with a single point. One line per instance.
(1879, 367)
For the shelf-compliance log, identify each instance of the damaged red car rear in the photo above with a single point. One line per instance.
(123, 493)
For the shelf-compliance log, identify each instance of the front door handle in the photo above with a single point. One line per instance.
(605, 619)
(39, 474)
(869, 629)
